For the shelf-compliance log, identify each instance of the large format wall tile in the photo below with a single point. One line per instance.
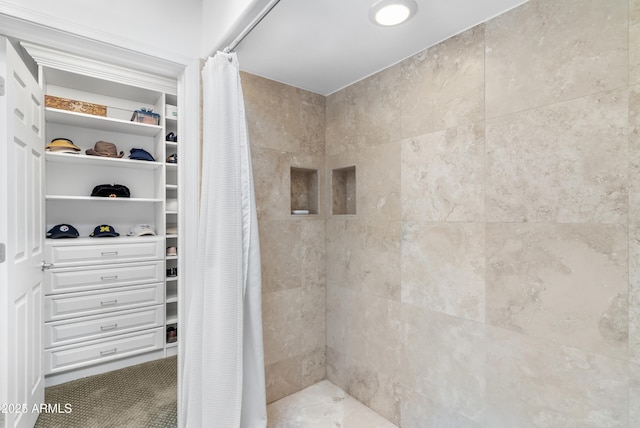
(443, 175)
(634, 395)
(444, 360)
(365, 256)
(547, 51)
(443, 268)
(378, 182)
(532, 383)
(377, 176)
(281, 254)
(379, 391)
(634, 294)
(286, 129)
(282, 378)
(314, 257)
(418, 411)
(292, 253)
(281, 320)
(272, 183)
(345, 323)
(314, 367)
(373, 111)
(634, 155)
(364, 114)
(443, 86)
(364, 334)
(281, 117)
(563, 283)
(335, 134)
(338, 252)
(562, 163)
(287, 376)
(382, 334)
(634, 42)
(432, 316)
(313, 315)
(365, 327)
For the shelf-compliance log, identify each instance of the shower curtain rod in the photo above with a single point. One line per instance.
(249, 28)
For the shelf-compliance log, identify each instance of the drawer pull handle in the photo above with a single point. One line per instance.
(110, 351)
(109, 253)
(110, 302)
(109, 278)
(109, 327)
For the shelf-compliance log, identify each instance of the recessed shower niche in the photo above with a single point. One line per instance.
(343, 190)
(304, 191)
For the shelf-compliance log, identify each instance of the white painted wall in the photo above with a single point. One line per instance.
(167, 29)
(171, 29)
(222, 21)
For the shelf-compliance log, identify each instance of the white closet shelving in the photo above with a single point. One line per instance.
(171, 219)
(109, 301)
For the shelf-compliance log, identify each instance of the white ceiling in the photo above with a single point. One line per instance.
(325, 45)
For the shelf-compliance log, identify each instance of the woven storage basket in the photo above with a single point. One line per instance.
(75, 106)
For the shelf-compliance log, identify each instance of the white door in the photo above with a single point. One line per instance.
(22, 235)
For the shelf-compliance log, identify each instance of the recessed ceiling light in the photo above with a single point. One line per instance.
(392, 12)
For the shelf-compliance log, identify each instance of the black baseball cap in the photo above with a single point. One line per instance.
(62, 231)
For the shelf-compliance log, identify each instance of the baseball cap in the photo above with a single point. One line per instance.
(141, 230)
(141, 154)
(103, 231)
(62, 231)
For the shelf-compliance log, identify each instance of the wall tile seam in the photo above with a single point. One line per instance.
(428, 311)
(296, 288)
(488, 323)
(367, 293)
(620, 88)
(556, 223)
(270, 293)
(258, 148)
(521, 336)
(294, 357)
(629, 83)
(364, 218)
(559, 347)
(557, 344)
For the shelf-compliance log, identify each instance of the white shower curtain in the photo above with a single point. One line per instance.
(223, 379)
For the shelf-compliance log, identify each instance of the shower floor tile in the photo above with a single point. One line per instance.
(323, 405)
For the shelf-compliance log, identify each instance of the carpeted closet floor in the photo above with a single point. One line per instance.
(139, 396)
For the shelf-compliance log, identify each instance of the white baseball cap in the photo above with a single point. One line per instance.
(141, 230)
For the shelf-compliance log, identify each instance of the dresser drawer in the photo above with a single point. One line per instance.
(99, 351)
(83, 252)
(89, 278)
(64, 306)
(62, 333)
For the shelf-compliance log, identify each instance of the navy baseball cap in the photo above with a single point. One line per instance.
(141, 154)
(103, 231)
(62, 231)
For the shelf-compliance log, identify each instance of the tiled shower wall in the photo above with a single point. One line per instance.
(490, 276)
(286, 128)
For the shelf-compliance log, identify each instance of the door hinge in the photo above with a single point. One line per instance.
(2, 253)
(1, 86)
(46, 266)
